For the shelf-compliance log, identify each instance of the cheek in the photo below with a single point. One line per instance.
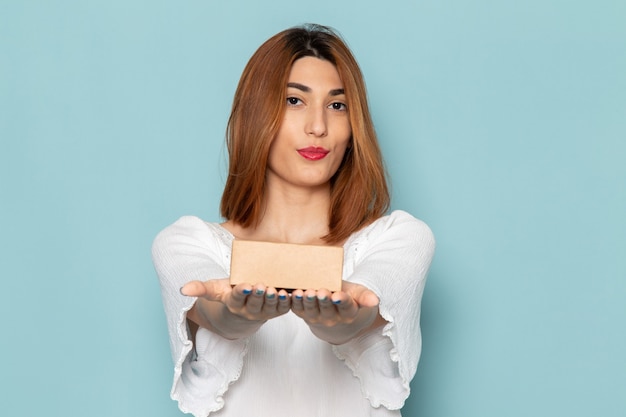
(344, 144)
(347, 136)
(344, 131)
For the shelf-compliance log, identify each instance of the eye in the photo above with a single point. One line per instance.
(293, 101)
(338, 106)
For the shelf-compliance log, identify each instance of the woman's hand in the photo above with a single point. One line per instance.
(340, 316)
(234, 312)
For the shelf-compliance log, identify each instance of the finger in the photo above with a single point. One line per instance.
(311, 308)
(193, 289)
(255, 300)
(271, 301)
(213, 289)
(297, 305)
(284, 302)
(239, 296)
(362, 295)
(367, 299)
(346, 306)
(326, 307)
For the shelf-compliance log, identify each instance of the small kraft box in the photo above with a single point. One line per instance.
(286, 265)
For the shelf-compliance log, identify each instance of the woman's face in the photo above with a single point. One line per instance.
(315, 132)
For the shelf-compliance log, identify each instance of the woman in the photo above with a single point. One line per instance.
(305, 168)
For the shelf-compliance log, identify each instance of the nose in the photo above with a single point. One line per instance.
(316, 123)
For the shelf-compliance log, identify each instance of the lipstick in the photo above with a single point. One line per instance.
(313, 153)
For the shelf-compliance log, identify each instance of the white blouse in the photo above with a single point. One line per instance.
(283, 370)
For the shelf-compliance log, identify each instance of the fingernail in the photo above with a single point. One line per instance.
(322, 298)
(181, 291)
(310, 297)
(246, 291)
(337, 302)
(270, 296)
(282, 297)
(298, 297)
(260, 292)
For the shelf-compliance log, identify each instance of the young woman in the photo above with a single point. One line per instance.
(304, 167)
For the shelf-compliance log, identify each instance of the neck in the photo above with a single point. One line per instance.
(292, 215)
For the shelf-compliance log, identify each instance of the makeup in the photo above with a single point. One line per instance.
(313, 153)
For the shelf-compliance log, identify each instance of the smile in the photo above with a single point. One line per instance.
(313, 153)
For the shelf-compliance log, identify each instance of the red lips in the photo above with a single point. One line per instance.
(313, 153)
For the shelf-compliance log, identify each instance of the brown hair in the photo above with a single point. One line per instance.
(359, 192)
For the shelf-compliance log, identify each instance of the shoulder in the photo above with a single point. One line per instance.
(185, 227)
(399, 225)
(189, 233)
(395, 237)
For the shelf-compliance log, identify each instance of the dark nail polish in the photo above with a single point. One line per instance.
(246, 291)
(270, 296)
(260, 292)
(282, 297)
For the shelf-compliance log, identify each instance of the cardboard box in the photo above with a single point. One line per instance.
(285, 265)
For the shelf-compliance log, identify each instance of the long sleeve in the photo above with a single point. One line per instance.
(391, 257)
(191, 249)
(284, 359)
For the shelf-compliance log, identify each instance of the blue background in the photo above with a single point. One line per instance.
(503, 124)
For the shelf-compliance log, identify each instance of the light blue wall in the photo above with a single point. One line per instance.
(504, 127)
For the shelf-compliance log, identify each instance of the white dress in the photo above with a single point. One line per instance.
(283, 370)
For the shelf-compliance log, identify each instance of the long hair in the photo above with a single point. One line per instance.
(359, 192)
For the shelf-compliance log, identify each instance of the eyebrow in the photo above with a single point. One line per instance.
(305, 89)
